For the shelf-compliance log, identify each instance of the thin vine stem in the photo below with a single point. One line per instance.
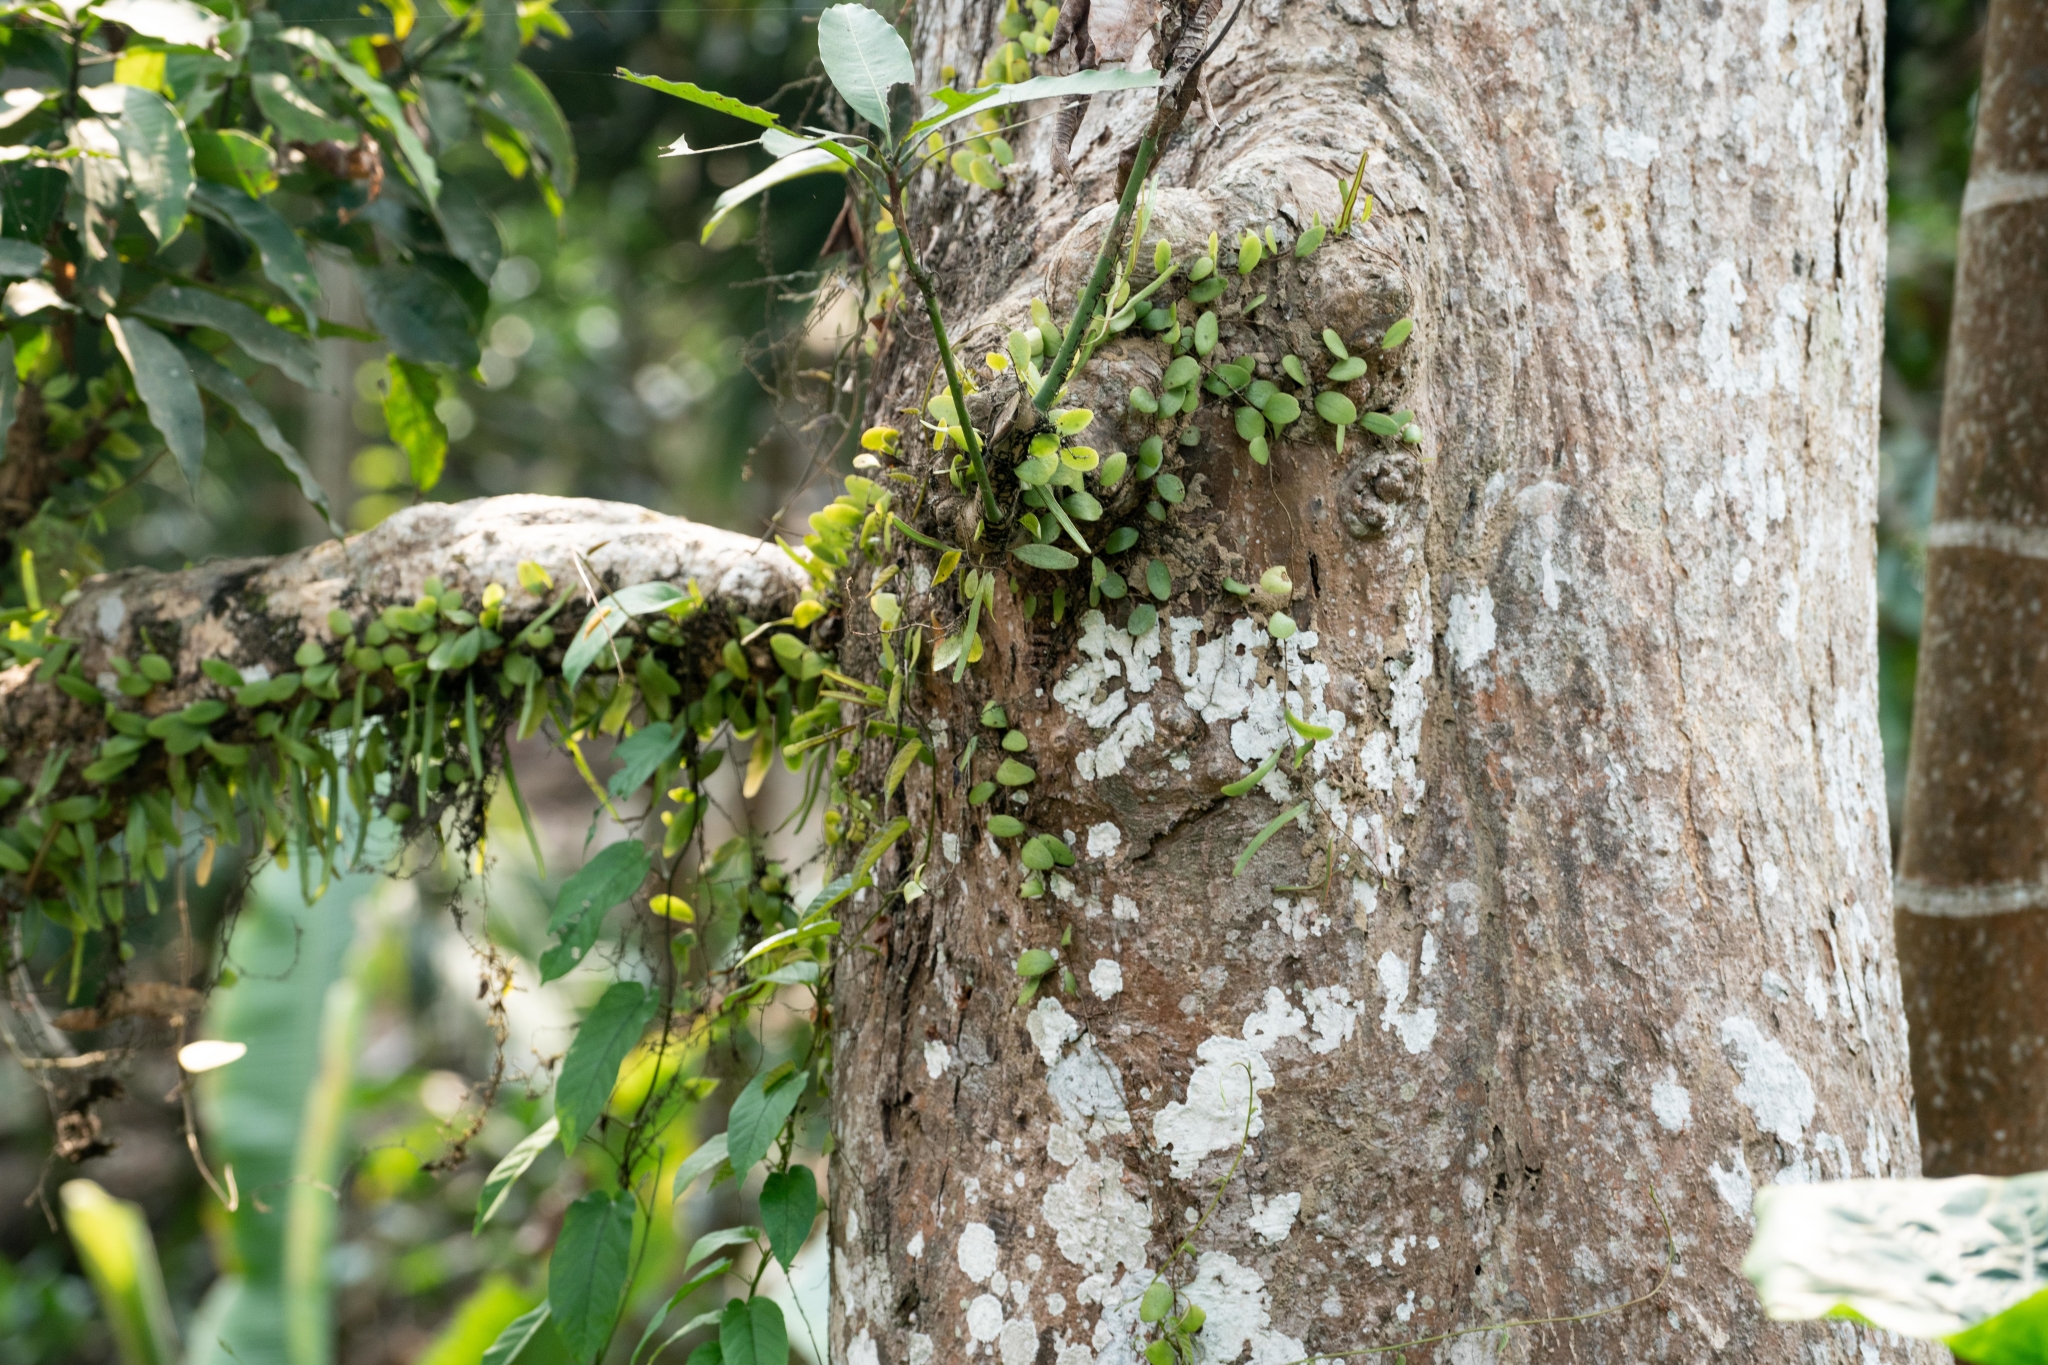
(1105, 261)
(927, 288)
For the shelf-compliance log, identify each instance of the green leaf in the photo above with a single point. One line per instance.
(759, 1113)
(710, 99)
(295, 115)
(789, 1205)
(1259, 840)
(863, 55)
(1184, 371)
(591, 1069)
(420, 316)
(119, 1257)
(1250, 424)
(516, 1337)
(1159, 580)
(10, 394)
(587, 1273)
(788, 168)
(285, 263)
(164, 380)
(743, 1235)
(233, 157)
(1254, 777)
(1397, 334)
(709, 1156)
(1926, 1258)
(1014, 774)
(1344, 371)
(21, 260)
(506, 1173)
(1311, 733)
(1281, 409)
(675, 1300)
(224, 384)
(470, 230)
(262, 340)
(1005, 826)
(1380, 424)
(1336, 409)
(411, 391)
(177, 22)
(584, 900)
(752, 1331)
(524, 102)
(1045, 557)
(380, 97)
(642, 754)
(956, 105)
(158, 157)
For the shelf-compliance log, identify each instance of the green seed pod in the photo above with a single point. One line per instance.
(1281, 626)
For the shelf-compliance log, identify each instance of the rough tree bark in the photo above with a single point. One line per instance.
(1973, 857)
(1608, 915)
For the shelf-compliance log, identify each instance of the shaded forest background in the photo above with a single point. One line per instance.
(626, 361)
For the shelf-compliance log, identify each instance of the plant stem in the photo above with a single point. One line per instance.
(1105, 260)
(929, 291)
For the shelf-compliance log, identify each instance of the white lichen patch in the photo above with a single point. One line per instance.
(1469, 631)
(1734, 1185)
(1672, 1104)
(1240, 1314)
(1222, 1108)
(1017, 1343)
(1089, 1091)
(1301, 919)
(1416, 1028)
(937, 1057)
(985, 1318)
(1122, 907)
(1113, 754)
(1107, 653)
(1104, 839)
(1097, 1223)
(1773, 1086)
(1272, 1219)
(1050, 1027)
(976, 1252)
(949, 845)
(1334, 1015)
(1106, 978)
(1216, 676)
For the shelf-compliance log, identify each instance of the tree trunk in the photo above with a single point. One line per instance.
(1606, 924)
(1973, 862)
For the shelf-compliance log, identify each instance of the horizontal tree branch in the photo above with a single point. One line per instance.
(254, 614)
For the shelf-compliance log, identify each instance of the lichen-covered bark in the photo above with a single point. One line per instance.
(1972, 886)
(1608, 913)
(254, 613)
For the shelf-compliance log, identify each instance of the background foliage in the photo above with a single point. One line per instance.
(623, 360)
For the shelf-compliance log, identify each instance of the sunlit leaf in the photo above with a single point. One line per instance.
(591, 1069)
(697, 94)
(863, 55)
(817, 159)
(410, 393)
(506, 1173)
